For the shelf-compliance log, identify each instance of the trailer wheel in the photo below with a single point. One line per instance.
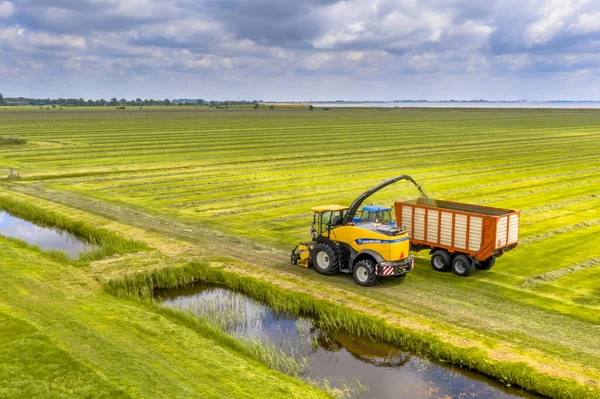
(487, 264)
(441, 260)
(463, 266)
(325, 259)
(364, 273)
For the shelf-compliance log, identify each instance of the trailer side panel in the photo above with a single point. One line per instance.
(478, 231)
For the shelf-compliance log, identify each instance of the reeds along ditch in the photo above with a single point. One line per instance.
(335, 317)
(107, 243)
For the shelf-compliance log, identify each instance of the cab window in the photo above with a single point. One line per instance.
(324, 219)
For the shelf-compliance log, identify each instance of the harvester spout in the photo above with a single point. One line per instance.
(358, 202)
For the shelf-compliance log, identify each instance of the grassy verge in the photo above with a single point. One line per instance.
(48, 372)
(62, 336)
(334, 316)
(107, 242)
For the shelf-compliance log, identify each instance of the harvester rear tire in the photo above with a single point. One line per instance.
(463, 266)
(441, 261)
(364, 273)
(487, 264)
(325, 259)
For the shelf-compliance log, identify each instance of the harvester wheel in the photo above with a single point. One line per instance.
(364, 273)
(325, 259)
(441, 260)
(463, 266)
(487, 264)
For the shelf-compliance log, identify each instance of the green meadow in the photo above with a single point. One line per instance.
(233, 189)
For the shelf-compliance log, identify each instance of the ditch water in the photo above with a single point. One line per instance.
(382, 369)
(44, 237)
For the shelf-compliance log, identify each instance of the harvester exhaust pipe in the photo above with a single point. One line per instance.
(358, 202)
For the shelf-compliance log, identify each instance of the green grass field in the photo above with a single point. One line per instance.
(240, 184)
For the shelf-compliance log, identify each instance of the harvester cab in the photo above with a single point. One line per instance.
(326, 218)
(367, 249)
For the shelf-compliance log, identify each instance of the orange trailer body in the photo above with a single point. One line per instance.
(478, 231)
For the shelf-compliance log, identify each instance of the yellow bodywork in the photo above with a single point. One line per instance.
(304, 255)
(325, 208)
(391, 248)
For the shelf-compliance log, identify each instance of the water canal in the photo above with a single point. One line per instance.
(379, 369)
(44, 237)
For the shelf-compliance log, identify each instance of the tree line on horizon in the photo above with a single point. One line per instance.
(80, 102)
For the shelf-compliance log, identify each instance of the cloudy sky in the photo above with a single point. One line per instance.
(301, 49)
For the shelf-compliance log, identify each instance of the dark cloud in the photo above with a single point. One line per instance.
(270, 23)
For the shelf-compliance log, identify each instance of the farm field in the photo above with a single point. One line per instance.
(239, 184)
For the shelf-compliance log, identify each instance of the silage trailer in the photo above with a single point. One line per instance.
(460, 236)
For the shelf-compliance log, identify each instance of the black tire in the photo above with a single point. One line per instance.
(463, 266)
(364, 273)
(441, 260)
(325, 259)
(487, 264)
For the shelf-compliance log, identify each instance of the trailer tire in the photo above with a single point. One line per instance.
(325, 259)
(441, 260)
(487, 264)
(463, 266)
(364, 273)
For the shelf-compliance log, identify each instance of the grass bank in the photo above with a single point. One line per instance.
(62, 336)
(333, 316)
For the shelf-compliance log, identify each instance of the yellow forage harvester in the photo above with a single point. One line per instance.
(367, 246)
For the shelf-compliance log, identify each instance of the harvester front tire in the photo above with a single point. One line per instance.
(487, 264)
(441, 261)
(364, 273)
(463, 266)
(325, 259)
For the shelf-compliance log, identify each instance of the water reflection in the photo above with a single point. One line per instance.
(386, 370)
(44, 237)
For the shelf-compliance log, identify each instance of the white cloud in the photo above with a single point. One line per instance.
(6, 9)
(550, 22)
(587, 23)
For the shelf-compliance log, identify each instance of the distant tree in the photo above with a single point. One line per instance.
(272, 107)
(138, 101)
(310, 107)
(1, 99)
(90, 103)
(122, 101)
(167, 101)
(113, 101)
(256, 105)
(102, 102)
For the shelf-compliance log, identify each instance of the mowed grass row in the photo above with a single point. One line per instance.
(82, 139)
(256, 174)
(229, 197)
